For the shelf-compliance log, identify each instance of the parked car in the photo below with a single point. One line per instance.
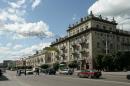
(22, 71)
(89, 74)
(1, 72)
(66, 71)
(51, 71)
(29, 71)
(128, 75)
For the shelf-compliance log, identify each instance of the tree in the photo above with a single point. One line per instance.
(51, 49)
(107, 62)
(44, 66)
(98, 62)
(73, 64)
(122, 60)
(56, 66)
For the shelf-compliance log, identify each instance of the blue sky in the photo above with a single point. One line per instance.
(21, 21)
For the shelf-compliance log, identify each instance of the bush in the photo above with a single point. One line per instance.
(44, 66)
(56, 66)
(73, 64)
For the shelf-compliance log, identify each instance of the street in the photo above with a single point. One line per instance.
(11, 79)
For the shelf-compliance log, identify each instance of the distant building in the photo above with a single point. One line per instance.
(1, 65)
(6, 63)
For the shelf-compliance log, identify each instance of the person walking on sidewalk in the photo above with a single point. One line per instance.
(37, 71)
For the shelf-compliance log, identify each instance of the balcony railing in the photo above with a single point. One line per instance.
(84, 51)
(75, 53)
(75, 45)
(62, 48)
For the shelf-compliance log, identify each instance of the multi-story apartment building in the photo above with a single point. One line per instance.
(42, 57)
(90, 37)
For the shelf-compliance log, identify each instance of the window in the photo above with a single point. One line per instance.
(97, 26)
(98, 45)
(110, 28)
(111, 46)
(101, 34)
(86, 27)
(104, 27)
(87, 45)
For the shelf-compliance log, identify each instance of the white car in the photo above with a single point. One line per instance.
(66, 71)
(29, 71)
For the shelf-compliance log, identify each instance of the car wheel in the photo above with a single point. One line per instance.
(97, 77)
(128, 76)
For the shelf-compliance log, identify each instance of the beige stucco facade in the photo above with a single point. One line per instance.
(85, 40)
(92, 36)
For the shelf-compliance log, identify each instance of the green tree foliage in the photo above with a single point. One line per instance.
(107, 62)
(44, 66)
(56, 66)
(119, 62)
(98, 61)
(73, 64)
(122, 60)
(51, 49)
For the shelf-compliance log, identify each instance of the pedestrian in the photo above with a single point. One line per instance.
(17, 71)
(20, 72)
(25, 72)
(37, 71)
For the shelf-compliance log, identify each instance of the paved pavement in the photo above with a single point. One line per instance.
(50, 80)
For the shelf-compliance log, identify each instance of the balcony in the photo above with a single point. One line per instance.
(75, 53)
(82, 42)
(63, 55)
(62, 48)
(75, 45)
(83, 51)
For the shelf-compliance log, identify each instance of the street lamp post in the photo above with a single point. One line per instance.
(106, 44)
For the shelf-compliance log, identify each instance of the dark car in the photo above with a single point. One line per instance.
(89, 74)
(1, 72)
(51, 71)
(128, 75)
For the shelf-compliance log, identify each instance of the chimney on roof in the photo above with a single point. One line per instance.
(100, 16)
(113, 20)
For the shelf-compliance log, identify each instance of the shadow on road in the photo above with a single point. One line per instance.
(3, 78)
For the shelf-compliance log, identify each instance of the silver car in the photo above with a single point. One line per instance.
(66, 71)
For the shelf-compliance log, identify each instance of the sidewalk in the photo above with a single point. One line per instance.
(108, 73)
(115, 73)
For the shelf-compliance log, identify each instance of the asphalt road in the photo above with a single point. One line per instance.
(11, 79)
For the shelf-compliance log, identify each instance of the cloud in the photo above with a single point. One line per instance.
(16, 47)
(14, 25)
(8, 44)
(19, 51)
(12, 20)
(74, 17)
(35, 3)
(4, 50)
(29, 29)
(120, 9)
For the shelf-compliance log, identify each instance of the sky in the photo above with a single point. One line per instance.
(29, 25)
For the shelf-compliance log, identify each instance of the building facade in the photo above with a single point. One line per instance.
(85, 40)
(90, 37)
